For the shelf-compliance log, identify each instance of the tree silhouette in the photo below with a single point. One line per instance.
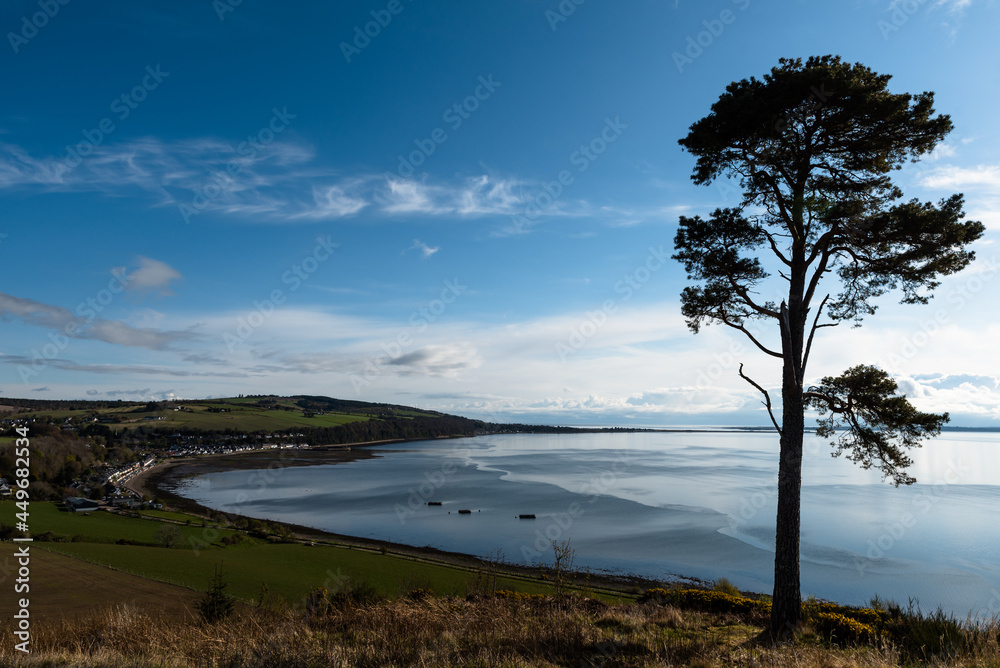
(216, 604)
(812, 146)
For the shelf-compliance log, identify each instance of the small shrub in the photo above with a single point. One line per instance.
(168, 535)
(656, 595)
(922, 637)
(50, 537)
(216, 604)
(717, 602)
(843, 630)
(234, 539)
(726, 587)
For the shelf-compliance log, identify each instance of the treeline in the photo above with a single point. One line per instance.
(32, 405)
(392, 428)
(330, 405)
(57, 459)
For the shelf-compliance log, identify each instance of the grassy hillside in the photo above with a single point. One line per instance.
(251, 558)
(240, 414)
(98, 527)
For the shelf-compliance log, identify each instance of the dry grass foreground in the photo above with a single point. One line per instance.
(426, 631)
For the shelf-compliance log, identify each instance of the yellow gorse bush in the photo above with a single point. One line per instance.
(838, 622)
(840, 628)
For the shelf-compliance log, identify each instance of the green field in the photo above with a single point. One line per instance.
(290, 570)
(170, 515)
(101, 527)
(241, 418)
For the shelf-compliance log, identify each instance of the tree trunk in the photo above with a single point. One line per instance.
(786, 607)
(786, 610)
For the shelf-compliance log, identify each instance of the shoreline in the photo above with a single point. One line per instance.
(147, 483)
(160, 481)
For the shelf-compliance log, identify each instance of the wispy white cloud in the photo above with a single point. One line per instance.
(425, 250)
(335, 201)
(152, 277)
(954, 5)
(126, 369)
(282, 183)
(408, 196)
(65, 322)
(952, 177)
(472, 197)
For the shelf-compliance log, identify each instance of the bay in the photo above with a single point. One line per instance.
(662, 505)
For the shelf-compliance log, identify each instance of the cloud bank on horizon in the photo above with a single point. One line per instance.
(469, 209)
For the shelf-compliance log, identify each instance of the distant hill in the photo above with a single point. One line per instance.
(326, 419)
(246, 414)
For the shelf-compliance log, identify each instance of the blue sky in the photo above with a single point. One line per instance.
(468, 208)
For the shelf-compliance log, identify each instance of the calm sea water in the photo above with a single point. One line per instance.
(663, 505)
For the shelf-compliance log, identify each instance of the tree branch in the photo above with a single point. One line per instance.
(744, 294)
(812, 332)
(767, 398)
(774, 247)
(832, 405)
(752, 338)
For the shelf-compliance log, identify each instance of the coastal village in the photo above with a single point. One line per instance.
(89, 455)
(105, 486)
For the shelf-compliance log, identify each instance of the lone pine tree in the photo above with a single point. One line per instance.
(812, 147)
